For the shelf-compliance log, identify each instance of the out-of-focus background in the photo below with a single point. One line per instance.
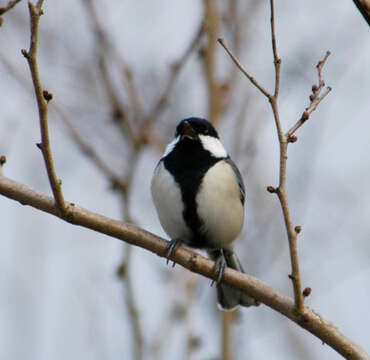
(116, 66)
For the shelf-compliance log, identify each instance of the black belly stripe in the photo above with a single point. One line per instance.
(188, 163)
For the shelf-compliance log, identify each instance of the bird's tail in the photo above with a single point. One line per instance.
(228, 297)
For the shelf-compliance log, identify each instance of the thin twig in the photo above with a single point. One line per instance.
(125, 267)
(174, 73)
(90, 152)
(315, 97)
(125, 274)
(9, 6)
(244, 71)
(212, 20)
(43, 97)
(106, 49)
(194, 262)
(277, 60)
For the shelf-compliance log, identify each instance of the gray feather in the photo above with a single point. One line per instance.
(238, 178)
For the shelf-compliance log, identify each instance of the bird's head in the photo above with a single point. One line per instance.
(197, 133)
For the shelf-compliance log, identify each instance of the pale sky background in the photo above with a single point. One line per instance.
(59, 295)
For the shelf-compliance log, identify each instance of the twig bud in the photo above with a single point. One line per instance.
(312, 97)
(1, 21)
(292, 139)
(306, 292)
(314, 88)
(271, 189)
(305, 115)
(2, 160)
(47, 96)
(24, 53)
(298, 229)
(2, 10)
(121, 271)
(39, 145)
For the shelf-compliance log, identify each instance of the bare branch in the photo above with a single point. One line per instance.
(125, 274)
(90, 152)
(43, 97)
(281, 190)
(174, 73)
(212, 19)
(194, 262)
(277, 60)
(9, 6)
(284, 139)
(244, 71)
(105, 49)
(315, 98)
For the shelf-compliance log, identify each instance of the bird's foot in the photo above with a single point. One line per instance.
(219, 266)
(171, 248)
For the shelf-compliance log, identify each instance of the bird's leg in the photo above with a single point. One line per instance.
(220, 266)
(171, 248)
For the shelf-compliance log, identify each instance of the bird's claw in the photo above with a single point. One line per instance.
(220, 266)
(171, 248)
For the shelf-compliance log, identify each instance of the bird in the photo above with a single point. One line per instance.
(199, 196)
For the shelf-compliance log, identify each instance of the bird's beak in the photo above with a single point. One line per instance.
(188, 132)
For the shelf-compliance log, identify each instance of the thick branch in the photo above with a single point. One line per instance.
(43, 97)
(194, 262)
(364, 7)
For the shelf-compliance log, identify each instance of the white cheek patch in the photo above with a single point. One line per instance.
(170, 146)
(213, 145)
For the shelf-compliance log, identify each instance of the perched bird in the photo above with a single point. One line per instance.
(199, 196)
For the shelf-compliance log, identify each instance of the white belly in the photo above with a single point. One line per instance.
(168, 202)
(219, 205)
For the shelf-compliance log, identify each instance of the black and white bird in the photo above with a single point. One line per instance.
(199, 196)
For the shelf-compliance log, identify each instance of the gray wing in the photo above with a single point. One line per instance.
(238, 178)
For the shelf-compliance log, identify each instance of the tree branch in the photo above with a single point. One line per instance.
(281, 190)
(174, 73)
(243, 70)
(315, 97)
(43, 97)
(8, 7)
(284, 140)
(212, 20)
(194, 262)
(90, 152)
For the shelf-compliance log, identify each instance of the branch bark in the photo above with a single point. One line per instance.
(194, 262)
(43, 97)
